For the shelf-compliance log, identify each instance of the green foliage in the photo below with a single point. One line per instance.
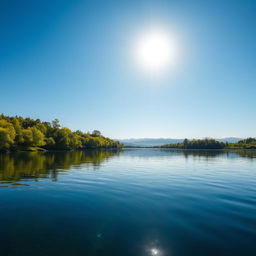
(7, 135)
(24, 133)
(96, 133)
(249, 143)
(56, 123)
(38, 137)
(197, 144)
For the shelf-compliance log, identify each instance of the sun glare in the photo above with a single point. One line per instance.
(155, 51)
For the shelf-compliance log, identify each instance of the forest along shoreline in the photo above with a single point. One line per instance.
(26, 134)
(208, 143)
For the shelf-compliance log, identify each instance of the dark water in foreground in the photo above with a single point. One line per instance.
(134, 202)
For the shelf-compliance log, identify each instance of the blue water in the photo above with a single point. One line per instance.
(133, 202)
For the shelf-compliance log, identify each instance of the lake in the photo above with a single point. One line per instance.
(129, 202)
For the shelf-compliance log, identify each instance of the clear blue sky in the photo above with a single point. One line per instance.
(72, 60)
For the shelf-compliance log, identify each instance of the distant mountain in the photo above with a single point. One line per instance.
(230, 139)
(149, 142)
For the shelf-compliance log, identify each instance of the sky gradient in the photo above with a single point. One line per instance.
(72, 60)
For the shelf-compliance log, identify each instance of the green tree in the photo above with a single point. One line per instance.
(7, 135)
(38, 137)
(96, 133)
(56, 123)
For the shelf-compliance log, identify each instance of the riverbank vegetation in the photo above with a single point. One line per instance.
(249, 143)
(197, 144)
(18, 133)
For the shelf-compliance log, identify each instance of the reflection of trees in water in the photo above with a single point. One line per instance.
(214, 153)
(199, 153)
(34, 165)
(247, 153)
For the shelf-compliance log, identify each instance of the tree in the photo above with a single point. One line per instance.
(96, 133)
(27, 137)
(185, 142)
(38, 137)
(7, 135)
(50, 142)
(56, 123)
(6, 140)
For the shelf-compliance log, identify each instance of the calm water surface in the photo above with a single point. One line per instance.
(134, 202)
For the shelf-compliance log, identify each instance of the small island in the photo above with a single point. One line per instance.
(26, 134)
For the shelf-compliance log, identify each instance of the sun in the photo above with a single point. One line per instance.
(155, 51)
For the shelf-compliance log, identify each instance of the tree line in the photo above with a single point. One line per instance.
(207, 143)
(197, 144)
(18, 133)
(249, 143)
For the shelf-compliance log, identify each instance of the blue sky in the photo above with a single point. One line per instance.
(72, 60)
